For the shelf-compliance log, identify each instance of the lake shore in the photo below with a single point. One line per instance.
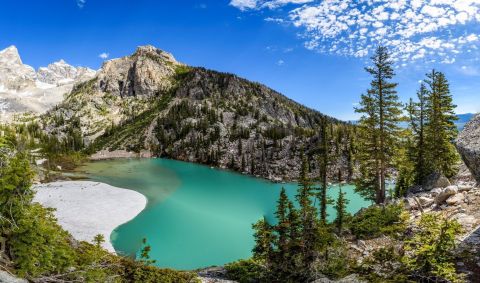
(86, 209)
(119, 154)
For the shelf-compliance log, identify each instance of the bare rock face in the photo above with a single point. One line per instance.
(14, 75)
(148, 72)
(468, 145)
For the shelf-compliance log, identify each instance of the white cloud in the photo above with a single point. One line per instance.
(276, 20)
(280, 62)
(104, 55)
(259, 4)
(81, 3)
(244, 4)
(433, 30)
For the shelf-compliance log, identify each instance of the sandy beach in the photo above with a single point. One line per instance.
(86, 208)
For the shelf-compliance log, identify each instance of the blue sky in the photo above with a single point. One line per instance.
(311, 51)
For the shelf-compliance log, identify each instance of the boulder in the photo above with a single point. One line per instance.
(435, 180)
(467, 221)
(464, 188)
(455, 199)
(352, 278)
(410, 204)
(445, 194)
(468, 145)
(7, 278)
(425, 201)
(435, 192)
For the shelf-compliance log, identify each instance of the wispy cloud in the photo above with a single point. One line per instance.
(436, 30)
(260, 4)
(81, 3)
(280, 62)
(104, 55)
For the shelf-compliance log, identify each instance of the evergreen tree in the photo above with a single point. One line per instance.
(308, 220)
(264, 239)
(440, 131)
(418, 117)
(341, 209)
(282, 227)
(380, 111)
(323, 171)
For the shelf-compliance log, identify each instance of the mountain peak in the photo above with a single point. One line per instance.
(148, 71)
(10, 55)
(150, 50)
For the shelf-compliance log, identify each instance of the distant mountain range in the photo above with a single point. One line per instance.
(462, 120)
(24, 89)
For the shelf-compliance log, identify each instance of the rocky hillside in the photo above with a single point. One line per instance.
(150, 103)
(468, 144)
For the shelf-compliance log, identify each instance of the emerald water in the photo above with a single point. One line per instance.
(196, 216)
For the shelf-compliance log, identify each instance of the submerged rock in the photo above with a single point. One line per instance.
(468, 145)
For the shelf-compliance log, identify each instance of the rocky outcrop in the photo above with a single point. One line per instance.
(148, 72)
(468, 145)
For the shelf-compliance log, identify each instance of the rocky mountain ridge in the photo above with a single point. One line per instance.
(24, 90)
(16, 76)
(149, 102)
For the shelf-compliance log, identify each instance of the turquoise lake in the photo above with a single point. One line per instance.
(196, 216)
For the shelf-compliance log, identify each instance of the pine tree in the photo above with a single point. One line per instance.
(308, 220)
(341, 209)
(323, 171)
(378, 125)
(440, 128)
(418, 117)
(264, 238)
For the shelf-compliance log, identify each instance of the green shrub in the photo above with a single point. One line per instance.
(138, 272)
(429, 253)
(245, 271)
(38, 244)
(375, 221)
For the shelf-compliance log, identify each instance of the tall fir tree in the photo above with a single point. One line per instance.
(323, 171)
(440, 129)
(282, 226)
(308, 217)
(341, 209)
(264, 239)
(381, 110)
(418, 116)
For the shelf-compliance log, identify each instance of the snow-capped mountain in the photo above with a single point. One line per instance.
(14, 75)
(22, 89)
(61, 73)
